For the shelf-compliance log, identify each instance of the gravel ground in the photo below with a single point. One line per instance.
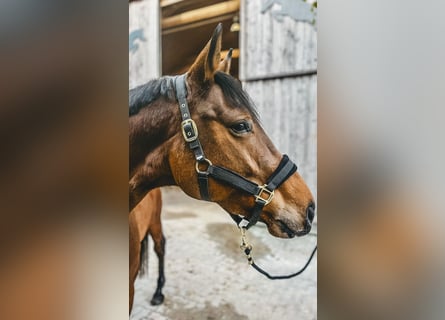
(208, 276)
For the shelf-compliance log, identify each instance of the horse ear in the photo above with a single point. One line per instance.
(224, 65)
(207, 62)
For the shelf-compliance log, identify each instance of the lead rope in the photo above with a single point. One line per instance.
(247, 249)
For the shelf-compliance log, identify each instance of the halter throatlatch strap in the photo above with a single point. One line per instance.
(263, 193)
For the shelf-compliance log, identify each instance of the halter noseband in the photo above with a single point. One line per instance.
(263, 194)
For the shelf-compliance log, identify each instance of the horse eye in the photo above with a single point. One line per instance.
(241, 127)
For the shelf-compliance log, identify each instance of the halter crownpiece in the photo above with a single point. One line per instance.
(263, 193)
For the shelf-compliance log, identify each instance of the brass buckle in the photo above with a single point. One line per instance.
(189, 138)
(268, 193)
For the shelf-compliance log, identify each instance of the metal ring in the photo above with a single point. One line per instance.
(209, 163)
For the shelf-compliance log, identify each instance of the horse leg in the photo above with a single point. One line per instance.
(159, 247)
(134, 259)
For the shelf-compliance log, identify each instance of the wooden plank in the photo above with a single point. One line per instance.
(198, 24)
(288, 113)
(279, 61)
(144, 46)
(269, 45)
(201, 14)
(177, 7)
(166, 3)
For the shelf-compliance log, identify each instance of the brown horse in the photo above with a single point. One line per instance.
(230, 135)
(143, 220)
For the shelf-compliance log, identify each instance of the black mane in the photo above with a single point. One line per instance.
(143, 95)
(234, 93)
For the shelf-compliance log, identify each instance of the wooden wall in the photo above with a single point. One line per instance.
(287, 104)
(144, 44)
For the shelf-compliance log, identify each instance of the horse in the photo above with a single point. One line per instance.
(145, 220)
(166, 148)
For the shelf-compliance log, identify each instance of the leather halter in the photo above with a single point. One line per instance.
(263, 193)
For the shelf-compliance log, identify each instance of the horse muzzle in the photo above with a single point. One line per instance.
(289, 230)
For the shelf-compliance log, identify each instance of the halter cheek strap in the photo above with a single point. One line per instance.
(263, 193)
(188, 126)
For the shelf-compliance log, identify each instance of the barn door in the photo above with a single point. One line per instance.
(144, 41)
(278, 63)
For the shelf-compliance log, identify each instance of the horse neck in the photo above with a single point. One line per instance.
(150, 132)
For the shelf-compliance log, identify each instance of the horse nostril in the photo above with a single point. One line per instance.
(310, 212)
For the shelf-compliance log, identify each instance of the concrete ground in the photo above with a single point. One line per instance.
(209, 278)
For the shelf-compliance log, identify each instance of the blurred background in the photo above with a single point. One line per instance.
(380, 160)
(64, 163)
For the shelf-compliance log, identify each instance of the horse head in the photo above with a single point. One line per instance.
(231, 137)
